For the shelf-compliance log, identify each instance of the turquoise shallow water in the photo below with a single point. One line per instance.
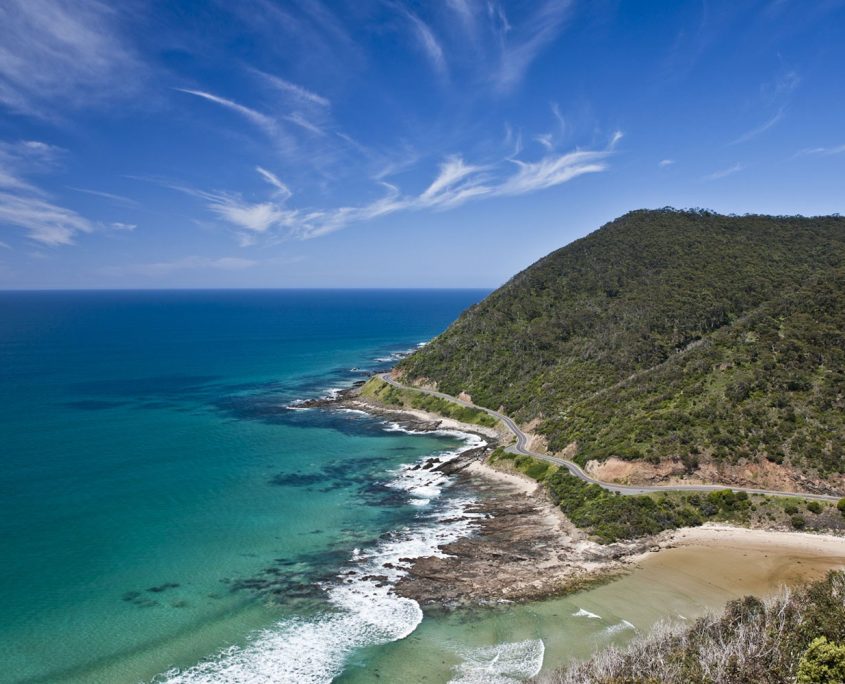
(158, 503)
(164, 516)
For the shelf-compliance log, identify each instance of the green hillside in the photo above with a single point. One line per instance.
(667, 334)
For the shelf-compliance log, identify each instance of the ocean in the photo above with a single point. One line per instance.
(166, 511)
(170, 514)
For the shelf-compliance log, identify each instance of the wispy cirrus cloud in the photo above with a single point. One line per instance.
(429, 43)
(467, 12)
(263, 121)
(189, 263)
(303, 122)
(112, 197)
(762, 128)
(281, 188)
(553, 170)
(775, 93)
(272, 127)
(253, 217)
(522, 42)
(456, 183)
(69, 51)
(44, 222)
(305, 134)
(23, 205)
(292, 89)
(821, 151)
(724, 173)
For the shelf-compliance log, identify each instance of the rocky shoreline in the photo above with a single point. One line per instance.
(523, 548)
(416, 421)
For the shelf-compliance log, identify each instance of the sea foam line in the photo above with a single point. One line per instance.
(619, 627)
(501, 664)
(364, 611)
(586, 613)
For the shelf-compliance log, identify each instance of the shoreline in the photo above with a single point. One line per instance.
(523, 547)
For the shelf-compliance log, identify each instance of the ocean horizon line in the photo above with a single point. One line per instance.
(248, 289)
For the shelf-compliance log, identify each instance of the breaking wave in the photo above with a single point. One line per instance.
(501, 664)
(362, 608)
(586, 613)
(619, 627)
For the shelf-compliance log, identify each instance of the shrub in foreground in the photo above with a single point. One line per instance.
(798, 636)
(822, 663)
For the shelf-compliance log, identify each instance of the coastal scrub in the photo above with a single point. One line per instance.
(378, 390)
(611, 517)
(795, 636)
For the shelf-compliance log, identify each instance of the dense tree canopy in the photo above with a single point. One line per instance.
(667, 333)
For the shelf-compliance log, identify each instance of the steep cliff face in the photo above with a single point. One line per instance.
(668, 335)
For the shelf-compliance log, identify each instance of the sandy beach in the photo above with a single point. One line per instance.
(525, 549)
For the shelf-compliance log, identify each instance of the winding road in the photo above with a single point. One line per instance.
(520, 447)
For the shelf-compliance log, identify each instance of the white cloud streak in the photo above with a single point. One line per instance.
(43, 221)
(561, 122)
(298, 92)
(66, 51)
(117, 199)
(273, 180)
(267, 123)
(724, 173)
(188, 263)
(466, 12)
(553, 170)
(26, 206)
(754, 132)
(456, 183)
(821, 151)
(302, 122)
(429, 43)
(522, 44)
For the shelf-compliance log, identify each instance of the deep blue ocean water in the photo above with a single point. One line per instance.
(162, 513)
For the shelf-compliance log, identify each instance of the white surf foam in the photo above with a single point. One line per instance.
(311, 651)
(399, 354)
(332, 393)
(363, 611)
(587, 614)
(425, 484)
(619, 627)
(329, 394)
(357, 412)
(501, 664)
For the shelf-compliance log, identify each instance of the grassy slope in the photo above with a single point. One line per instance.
(732, 328)
(378, 390)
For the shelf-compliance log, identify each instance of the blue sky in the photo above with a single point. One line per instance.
(381, 143)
